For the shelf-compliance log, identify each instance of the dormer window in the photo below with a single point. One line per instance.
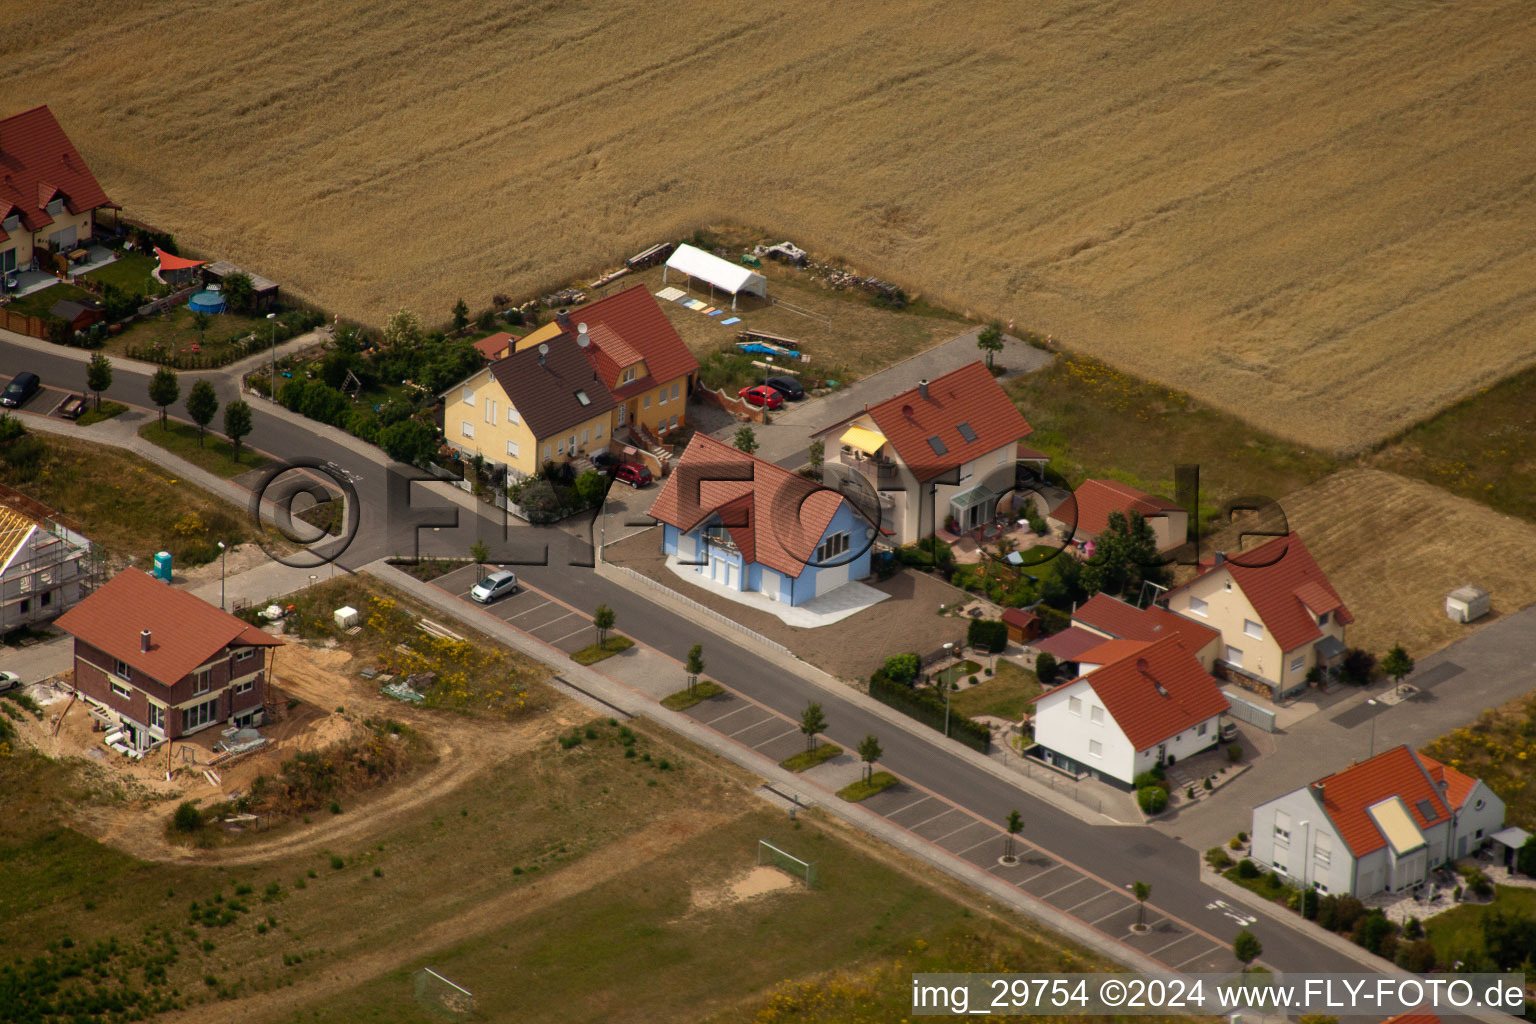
(55, 207)
(629, 375)
(1322, 620)
(11, 222)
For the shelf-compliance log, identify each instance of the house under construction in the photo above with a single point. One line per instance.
(45, 569)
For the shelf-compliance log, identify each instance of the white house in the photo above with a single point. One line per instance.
(43, 570)
(1135, 706)
(1381, 824)
(1276, 611)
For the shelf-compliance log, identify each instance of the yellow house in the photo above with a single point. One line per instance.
(48, 196)
(1278, 615)
(575, 386)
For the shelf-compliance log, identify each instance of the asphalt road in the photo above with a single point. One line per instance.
(395, 516)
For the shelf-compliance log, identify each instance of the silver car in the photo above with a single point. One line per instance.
(497, 584)
(9, 681)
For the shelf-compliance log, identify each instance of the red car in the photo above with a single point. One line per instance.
(632, 473)
(762, 395)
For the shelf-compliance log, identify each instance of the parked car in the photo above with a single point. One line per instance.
(72, 407)
(1228, 731)
(9, 681)
(762, 395)
(632, 473)
(497, 584)
(604, 462)
(790, 388)
(22, 387)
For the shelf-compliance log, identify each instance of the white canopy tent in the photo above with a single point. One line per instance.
(716, 272)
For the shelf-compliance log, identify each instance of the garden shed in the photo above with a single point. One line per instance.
(264, 291)
(716, 272)
(79, 315)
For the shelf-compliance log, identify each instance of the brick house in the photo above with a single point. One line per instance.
(160, 664)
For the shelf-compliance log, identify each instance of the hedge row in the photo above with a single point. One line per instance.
(928, 708)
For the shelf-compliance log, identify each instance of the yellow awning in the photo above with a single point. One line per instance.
(1393, 820)
(866, 441)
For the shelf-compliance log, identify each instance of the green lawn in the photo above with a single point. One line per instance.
(682, 699)
(1096, 422)
(215, 454)
(40, 302)
(175, 331)
(1008, 694)
(105, 412)
(1460, 929)
(594, 653)
(863, 789)
(132, 272)
(808, 759)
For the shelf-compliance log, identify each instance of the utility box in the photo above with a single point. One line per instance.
(346, 617)
(163, 566)
(1466, 604)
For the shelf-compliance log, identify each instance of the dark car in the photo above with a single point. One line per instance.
(786, 386)
(632, 473)
(22, 387)
(604, 462)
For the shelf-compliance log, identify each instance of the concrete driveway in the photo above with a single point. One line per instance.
(785, 439)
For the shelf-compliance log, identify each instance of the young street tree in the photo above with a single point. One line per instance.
(202, 404)
(745, 440)
(1246, 947)
(694, 666)
(98, 375)
(1397, 664)
(990, 340)
(1015, 825)
(1141, 890)
(481, 554)
(164, 390)
(237, 423)
(869, 753)
(201, 320)
(812, 721)
(603, 618)
(816, 455)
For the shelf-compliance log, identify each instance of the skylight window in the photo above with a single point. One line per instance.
(966, 432)
(937, 445)
(1427, 810)
(581, 396)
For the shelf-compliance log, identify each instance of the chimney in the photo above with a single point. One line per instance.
(144, 640)
(582, 338)
(1220, 557)
(922, 387)
(543, 351)
(563, 318)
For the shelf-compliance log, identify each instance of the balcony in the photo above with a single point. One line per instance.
(874, 468)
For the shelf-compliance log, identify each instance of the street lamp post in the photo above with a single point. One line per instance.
(1306, 855)
(1372, 703)
(221, 575)
(949, 656)
(273, 317)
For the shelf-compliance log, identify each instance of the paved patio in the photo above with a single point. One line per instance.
(29, 281)
(99, 256)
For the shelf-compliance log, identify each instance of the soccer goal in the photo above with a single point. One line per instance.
(768, 854)
(435, 992)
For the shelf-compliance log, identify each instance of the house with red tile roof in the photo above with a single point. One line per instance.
(496, 346)
(48, 196)
(1379, 825)
(1278, 615)
(945, 450)
(1114, 619)
(735, 521)
(156, 663)
(1086, 514)
(588, 379)
(1136, 705)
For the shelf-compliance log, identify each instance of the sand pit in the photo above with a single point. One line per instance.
(760, 881)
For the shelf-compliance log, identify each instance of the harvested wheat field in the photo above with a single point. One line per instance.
(1394, 547)
(1317, 216)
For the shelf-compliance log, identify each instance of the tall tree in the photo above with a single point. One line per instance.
(812, 721)
(403, 331)
(202, 404)
(240, 292)
(603, 618)
(745, 439)
(869, 753)
(990, 340)
(98, 375)
(1397, 664)
(1141, 890)
(1124, 556)
(164, 390)
(237, 423)
(694, 666)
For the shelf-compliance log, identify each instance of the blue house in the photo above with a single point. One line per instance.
(751, 526)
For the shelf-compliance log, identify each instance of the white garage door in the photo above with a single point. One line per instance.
(831, 577)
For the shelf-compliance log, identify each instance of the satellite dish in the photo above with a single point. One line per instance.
(543, 350)
(581, 328)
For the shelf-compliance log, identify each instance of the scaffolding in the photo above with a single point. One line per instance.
(46, 568)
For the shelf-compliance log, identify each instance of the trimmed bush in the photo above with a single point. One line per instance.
(927, 707)
(1247, 869)
(1234, 752)
(990, 635)
(1152, 799)
(1218, 858)
(187, 818)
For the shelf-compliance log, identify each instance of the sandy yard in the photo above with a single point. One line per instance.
(850, 649)
(762, 880)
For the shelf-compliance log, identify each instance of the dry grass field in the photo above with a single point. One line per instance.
(1317, 216)
(1394, 547)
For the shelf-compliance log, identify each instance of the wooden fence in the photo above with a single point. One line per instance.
(32, 326)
